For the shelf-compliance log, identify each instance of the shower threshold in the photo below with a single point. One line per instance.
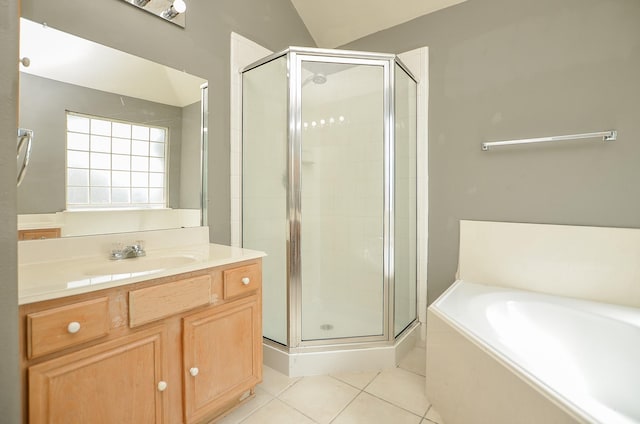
(332, 359)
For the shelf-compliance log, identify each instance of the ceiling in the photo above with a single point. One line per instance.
(333, 23)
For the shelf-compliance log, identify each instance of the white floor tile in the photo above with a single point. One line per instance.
(357, 379)
(433, 417)
(274, 382)
(277, 412)
(371, 410)
(402, 388)
(391, 396)
(321, 397)
(415, 361)
(260, 399)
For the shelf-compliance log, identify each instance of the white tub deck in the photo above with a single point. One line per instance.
(557, 337)
(581, 355)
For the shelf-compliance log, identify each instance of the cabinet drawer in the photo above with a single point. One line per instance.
(152, 303)
(241, 281)
(58, 328)
(39, 233)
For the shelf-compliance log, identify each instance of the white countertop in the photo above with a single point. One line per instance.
(45, 280)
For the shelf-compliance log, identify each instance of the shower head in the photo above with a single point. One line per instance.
(319, 79)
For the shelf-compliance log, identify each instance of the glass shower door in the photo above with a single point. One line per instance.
(264, 185)
(342, 196)
(405, 197)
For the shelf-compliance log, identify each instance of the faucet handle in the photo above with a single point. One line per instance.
(116, 251)
(139, 248)
(117, 247)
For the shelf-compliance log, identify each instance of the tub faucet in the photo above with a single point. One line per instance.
(134, 251)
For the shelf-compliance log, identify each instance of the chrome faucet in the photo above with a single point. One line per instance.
(134, 251)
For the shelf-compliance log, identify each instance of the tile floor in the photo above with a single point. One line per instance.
(390, 396)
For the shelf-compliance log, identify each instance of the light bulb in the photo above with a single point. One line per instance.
(175, 9)
(180, 6)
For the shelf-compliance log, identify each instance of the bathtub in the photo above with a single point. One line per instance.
(501, 355)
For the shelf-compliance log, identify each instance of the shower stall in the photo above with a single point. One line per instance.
(329, 192)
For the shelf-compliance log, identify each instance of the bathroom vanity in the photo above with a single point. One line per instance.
(178, 344)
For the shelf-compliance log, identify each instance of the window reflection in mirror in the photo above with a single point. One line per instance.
(137, 164)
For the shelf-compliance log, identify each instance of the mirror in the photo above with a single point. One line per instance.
(118, 140)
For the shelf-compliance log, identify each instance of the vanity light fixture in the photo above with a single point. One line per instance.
(175, 9)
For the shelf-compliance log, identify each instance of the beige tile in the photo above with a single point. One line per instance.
(433, 417)
(277, 412)
(274, 382)
(357, 379)
(371, 410)
(402, 388)
(320, 398)
(415, 361)
(260, 399)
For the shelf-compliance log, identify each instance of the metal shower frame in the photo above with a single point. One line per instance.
(295, 57)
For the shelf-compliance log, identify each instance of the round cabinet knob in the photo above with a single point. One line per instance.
(73, 327)
(245, 281)
(194, 371)
(162, 386)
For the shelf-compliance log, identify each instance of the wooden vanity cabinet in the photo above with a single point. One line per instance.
(188, 361)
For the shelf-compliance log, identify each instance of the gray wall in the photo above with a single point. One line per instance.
(503, 69)
(190, 178)
(43, 187)
(201, 49)
(9, 365)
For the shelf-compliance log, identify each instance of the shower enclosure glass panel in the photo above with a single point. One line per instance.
(405, 242)
(264, 185)
(329, 192)
(342, 200)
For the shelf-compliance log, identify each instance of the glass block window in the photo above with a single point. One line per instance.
(115, 164)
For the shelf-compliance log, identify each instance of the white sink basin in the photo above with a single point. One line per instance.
(143, 264)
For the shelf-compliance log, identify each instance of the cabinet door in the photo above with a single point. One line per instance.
(114, 382)
(222, 356)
